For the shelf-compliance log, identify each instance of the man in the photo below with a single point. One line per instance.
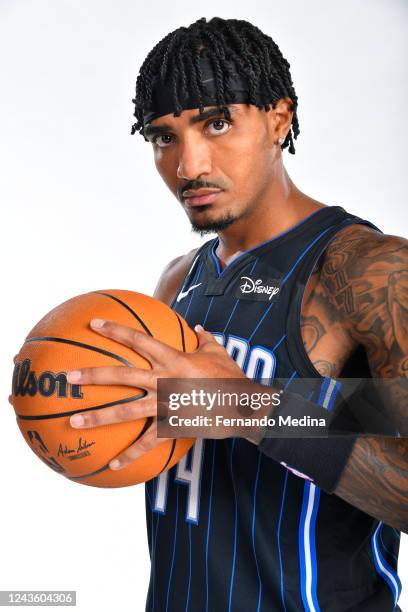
(245, 522)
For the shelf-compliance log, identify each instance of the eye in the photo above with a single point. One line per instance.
(218, 126)
(163, 140)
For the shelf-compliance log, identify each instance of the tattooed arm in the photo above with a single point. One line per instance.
(363, 285)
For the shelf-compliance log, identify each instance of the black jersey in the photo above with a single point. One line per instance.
(229, 528)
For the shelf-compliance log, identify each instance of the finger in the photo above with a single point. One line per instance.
(205, 338)
(148, 347)
(114, 375)
(121, 413)
(147, 442)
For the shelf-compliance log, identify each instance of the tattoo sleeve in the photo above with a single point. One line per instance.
(364, 277)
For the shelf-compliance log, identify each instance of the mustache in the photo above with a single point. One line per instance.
(197, 185)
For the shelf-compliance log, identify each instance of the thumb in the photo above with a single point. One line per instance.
(204, 337)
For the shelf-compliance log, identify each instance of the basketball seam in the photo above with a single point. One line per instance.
(89, 347)
(116, 299)
(183, 342)
(40, 417)
(171, 453)
(105, 467)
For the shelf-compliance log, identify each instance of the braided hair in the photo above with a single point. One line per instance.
(226, 43)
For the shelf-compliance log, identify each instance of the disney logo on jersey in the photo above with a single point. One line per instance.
(258, 289)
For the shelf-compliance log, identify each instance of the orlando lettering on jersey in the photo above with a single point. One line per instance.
(230, 529)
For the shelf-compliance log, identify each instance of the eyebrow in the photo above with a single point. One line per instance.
(164, 128)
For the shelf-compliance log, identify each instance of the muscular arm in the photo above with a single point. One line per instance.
(364, 285)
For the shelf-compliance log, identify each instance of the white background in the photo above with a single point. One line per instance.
(82, 208)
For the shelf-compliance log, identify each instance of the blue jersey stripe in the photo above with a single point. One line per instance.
(209, 524)
(391, 554)
(299, 259)
(208, 310)
(328, 393)
(305, 251)
(282, 588)
(307, 528)
(323, 390)
(174, 551)
(313, 547)
(237, 301)
(151, 533)
(386, 572)
(307, 547)
(235, 526)
(197, 276)
(282, 584)
(253, 531)
(189, 567)
(154, 546)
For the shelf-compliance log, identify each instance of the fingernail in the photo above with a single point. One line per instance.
(114, 464)
(73, 376)
(199, 328)
(77, 420)
(97, 323)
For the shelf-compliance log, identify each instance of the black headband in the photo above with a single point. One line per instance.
(162, 94)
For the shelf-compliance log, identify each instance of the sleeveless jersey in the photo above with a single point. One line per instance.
(229, 528)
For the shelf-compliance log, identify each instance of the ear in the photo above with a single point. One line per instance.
(280, 119)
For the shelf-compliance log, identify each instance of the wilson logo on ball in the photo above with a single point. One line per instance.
(26, 382)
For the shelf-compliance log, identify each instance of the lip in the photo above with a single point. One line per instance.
(205, 197)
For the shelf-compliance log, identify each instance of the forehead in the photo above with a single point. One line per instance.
(192, 116)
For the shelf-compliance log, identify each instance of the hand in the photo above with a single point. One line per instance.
(210, 360)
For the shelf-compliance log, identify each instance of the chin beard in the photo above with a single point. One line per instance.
(211, 227)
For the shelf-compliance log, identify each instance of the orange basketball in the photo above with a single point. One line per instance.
(43, 399)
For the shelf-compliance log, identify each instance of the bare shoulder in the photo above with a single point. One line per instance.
(359, 240)
(356, 253)
(361, 254)
(172, 277)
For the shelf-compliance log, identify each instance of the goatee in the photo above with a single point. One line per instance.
(211, 227)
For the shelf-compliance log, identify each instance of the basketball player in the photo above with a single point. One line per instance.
(264, 524)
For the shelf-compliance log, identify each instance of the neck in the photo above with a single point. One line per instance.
(281, 206)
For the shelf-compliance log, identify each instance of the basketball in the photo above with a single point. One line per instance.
(43, 399)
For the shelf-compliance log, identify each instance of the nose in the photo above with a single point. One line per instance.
(194, 160)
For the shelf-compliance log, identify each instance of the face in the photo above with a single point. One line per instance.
(217, 168)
